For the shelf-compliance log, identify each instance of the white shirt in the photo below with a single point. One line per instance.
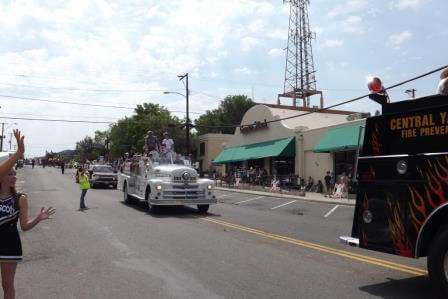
(168, 143)
(443, 87)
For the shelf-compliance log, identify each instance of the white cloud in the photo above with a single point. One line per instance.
(347, 8)
(256, 26)
(244, 70)
(333, 43)
(247, 43)
(396, 40)
(276, 52)
(278, 33)
(318, 30)
(353, 24)
(404, 4)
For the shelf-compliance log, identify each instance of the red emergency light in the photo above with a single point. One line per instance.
(375, 85)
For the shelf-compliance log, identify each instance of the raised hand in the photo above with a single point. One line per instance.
(46, 213)
(20, 141)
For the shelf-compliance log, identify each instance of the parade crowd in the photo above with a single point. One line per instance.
(333, 186)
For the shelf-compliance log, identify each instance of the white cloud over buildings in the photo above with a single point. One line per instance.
(396, 40)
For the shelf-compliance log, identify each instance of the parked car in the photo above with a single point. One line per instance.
(20, 163)
(102, 175)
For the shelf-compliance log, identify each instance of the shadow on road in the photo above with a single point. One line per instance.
(414, 287)
(169, 211)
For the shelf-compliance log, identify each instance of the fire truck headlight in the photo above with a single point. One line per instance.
(402, 167)
(210, 187)
(367, 216)
(159, 187)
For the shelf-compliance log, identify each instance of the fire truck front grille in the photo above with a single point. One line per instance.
(184, 191)
(178, 179)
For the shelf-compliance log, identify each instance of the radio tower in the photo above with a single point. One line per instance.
(300, 80)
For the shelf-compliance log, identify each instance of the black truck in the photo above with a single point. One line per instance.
(402, 172)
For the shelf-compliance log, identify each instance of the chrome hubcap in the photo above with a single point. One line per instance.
(445, 265)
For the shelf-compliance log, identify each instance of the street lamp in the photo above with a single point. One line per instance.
(186, 96)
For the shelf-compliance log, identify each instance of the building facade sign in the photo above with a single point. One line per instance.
(255, 126)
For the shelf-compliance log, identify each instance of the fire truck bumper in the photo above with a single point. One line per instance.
(174, 202)
(349, 241)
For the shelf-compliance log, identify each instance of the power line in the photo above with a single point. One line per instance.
(59, 120)
(332, 106)
(78, 103)
(82, 89)
(63, 102)
(50, 115)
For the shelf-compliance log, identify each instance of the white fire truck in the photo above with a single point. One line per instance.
(164, 181)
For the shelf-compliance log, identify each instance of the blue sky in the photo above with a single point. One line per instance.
(127, 52)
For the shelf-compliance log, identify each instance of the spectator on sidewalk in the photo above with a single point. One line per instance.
(344, 182)
(310, 184)
(327, 180)
(319, 187)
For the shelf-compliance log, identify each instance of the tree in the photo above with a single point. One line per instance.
(86, 149)
(128, 133)
(230, 112)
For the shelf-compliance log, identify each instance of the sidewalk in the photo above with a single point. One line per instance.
(309, 196)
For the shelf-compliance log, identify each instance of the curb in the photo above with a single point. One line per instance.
(347, 202)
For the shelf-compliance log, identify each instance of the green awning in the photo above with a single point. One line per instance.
(340, 139)
(284, 147)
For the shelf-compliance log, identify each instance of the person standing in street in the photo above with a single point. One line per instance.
(84, 184)
(62, 166)
(32, 163)
(13, 208)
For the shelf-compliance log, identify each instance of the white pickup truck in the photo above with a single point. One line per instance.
(166, 182)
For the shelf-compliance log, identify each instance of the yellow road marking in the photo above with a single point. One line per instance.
(330, 250)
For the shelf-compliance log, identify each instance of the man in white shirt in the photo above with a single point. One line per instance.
(168, 143)
(443, 84)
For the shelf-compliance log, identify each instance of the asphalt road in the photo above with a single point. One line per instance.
(247, 246)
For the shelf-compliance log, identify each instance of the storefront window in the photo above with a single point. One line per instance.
(345, 162)
(282, 166)
(255, 163)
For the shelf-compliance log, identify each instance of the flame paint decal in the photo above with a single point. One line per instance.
(402, 244)
(434, 193)
(399, 212)
(376, 145)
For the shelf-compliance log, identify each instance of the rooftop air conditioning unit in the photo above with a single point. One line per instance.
(358, 115)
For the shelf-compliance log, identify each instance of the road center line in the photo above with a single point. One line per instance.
(222, 196)
(326, 249)
(283, 205)
(331, 211)
(250, 199)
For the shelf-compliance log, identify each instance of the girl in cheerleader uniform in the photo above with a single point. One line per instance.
(13, 207)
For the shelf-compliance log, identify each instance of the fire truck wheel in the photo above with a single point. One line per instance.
(203, 208)
(151, 208)
(438, 261)
(126, 197)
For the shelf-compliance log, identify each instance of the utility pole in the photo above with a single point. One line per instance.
(10, 138)
(187, 122)
(1, 145)
(411, 92)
